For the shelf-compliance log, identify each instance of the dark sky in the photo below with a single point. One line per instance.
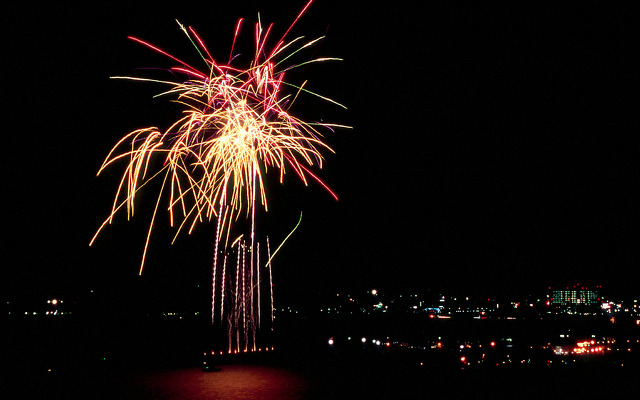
(492, 147)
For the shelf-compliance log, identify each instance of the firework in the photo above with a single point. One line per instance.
(234, 128)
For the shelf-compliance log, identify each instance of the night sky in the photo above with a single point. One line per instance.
(492, 147)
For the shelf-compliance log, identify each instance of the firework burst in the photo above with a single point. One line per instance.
(234, 128)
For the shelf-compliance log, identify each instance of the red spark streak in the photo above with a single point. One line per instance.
(291, 26)
(235, 35)
(149, 45)
(296, 167)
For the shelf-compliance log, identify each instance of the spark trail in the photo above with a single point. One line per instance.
(235, 127)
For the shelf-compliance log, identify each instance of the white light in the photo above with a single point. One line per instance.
(331, 342)
(364, 340)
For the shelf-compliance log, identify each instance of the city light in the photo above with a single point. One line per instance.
(564, 348)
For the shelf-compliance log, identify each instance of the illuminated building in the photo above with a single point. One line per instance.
(575, 299)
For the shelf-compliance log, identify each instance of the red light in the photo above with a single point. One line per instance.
(463, 359)
(493, 344)
(548, 302)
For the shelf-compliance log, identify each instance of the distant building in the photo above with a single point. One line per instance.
(575, 299)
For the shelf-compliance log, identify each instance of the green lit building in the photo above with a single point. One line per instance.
(576, 299)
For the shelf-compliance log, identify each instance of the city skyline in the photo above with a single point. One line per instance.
(552, 300)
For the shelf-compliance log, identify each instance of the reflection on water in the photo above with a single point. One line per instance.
(308, 380)
(231, 382)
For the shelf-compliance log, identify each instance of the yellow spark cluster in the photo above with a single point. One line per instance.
(235, 126)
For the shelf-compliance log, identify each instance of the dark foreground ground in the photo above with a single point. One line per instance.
(89, 359)
(305, 375)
